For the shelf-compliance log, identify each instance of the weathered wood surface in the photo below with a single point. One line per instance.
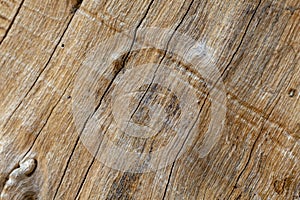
(255, 45)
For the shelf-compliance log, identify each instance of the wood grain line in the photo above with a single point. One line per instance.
(3, 18)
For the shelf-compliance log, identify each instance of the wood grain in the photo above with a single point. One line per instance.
(43, 49)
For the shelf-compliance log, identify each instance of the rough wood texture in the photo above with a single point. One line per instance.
(45, 45)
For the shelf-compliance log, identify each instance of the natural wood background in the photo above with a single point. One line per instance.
(257, 45)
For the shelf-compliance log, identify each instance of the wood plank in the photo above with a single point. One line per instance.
(249, 47)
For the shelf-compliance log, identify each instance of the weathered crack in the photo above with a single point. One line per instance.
(172, 168)
(46, 122)
(173, 164)
(47, 119)
(248, 161)
(36, 82)
(266, 120)
(12, 22)
(44, 68)
(252, 150)
(97, 107)
(248, 25)
(88, 169)
(242, 40)
(163, 57)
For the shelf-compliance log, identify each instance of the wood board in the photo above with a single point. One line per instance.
(253, 47)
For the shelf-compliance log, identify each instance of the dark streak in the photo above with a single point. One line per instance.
(239, 197)
(13, 20)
